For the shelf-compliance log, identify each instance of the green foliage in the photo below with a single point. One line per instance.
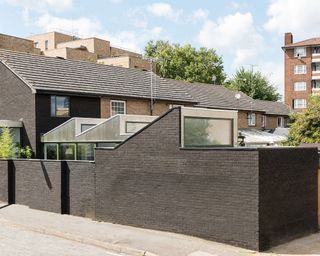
(26, 152)
(186, 62)
(305, 126)
(7, 147)
(254, 84)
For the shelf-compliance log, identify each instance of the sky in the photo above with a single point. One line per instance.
(245, 34)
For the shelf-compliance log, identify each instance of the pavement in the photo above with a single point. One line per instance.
(24, 231)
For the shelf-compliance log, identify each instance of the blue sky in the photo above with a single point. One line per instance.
(245, 33)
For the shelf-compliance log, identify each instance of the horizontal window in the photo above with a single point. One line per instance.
(132, 127)
(299, 103)
(206, 132)
(300, 69)
(300, 86)
(300, 52)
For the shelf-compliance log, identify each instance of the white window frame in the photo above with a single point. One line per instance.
(300, 69)
(118, 101)
(281, 118)
(299, 103)
(299, 86)
(251, 119)
(300, 52)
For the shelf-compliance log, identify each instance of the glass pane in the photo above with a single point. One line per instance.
(85, 151)
(107, 144)
(207, 132)
(53, 105)
(85, 127)
(132, 127)
(117, 107)
(51, 151)
(62, 106)
(67, 151)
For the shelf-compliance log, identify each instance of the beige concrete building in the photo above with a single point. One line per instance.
(50, 40)
(127, 62)
(17, 44)
(55, 44)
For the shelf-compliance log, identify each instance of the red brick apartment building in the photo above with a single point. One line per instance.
(302, 70)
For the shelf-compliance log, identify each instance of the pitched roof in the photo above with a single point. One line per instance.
(54, 74)
(307, 42)
(273, 107)
(218, 96)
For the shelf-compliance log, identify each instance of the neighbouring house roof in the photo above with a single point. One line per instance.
(309, 42)
(217, 96)
(43, 73)
(273, 107)
(55, 74)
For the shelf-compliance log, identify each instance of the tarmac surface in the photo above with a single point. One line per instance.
(28, 232)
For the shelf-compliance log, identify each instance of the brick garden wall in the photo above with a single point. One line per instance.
(254, 198)
(238, 196)
(55, 186)
(288, 194)
(4, 181)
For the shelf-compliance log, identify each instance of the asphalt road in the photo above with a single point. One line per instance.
(15, 240)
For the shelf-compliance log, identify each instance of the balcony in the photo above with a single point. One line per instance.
(315, 75)
(315, 57)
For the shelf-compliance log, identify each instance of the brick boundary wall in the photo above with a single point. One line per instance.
(240, 196)
(254, 198)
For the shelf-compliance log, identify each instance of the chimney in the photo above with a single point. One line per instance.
(288, 38)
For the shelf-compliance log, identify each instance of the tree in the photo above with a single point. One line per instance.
(254, 84)
(186, 62)
(305, 125)
(7, 147)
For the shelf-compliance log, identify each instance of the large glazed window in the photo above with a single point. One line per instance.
(85, 151)
(207, 132)
(51, 151)
(118, 107)
(67, 151)
(60, 106)
(132, 127)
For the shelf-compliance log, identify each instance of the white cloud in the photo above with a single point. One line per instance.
(82, 26)
(234, 35)
(134, 40)
(43, 5)
(274, 72)
(164, 10)
(199, 15)
(238, 5)
(116, 1)
(299, 17)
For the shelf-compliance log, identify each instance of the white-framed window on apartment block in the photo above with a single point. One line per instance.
(300, 86)
(251, 119)
(299, 103)
(300, 69)
(280, 121)
(300, 51)
(117, 107)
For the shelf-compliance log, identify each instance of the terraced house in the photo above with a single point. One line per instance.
(41, 93)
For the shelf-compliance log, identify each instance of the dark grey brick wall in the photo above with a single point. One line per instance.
(82, 189)
(38, 184)
(17, 102)
(3, 181)
(288, 194)
(149, 182)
